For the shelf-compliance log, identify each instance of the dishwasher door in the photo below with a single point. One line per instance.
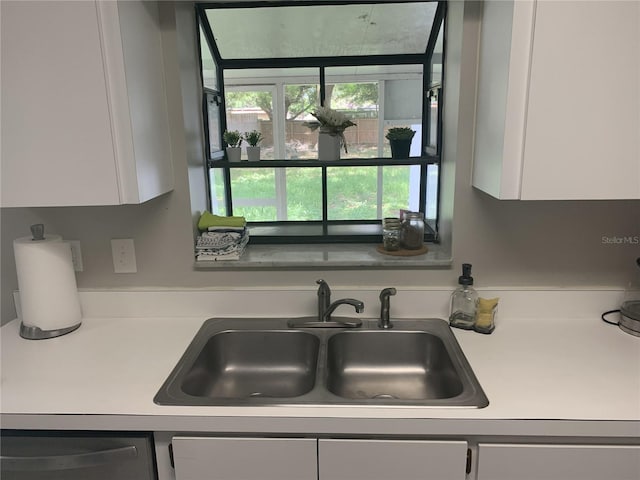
(72, 455)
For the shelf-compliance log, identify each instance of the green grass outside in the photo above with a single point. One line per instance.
(351, 192)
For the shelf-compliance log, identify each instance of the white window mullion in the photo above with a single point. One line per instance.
(381, 141)
(279, 131)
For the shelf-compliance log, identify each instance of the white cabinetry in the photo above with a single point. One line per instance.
(391, 460)
(558, 462)
(214, 458)
(558, 112)
(311, 459)
(84, 108)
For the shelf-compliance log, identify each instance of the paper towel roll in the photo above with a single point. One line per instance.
(47, 283)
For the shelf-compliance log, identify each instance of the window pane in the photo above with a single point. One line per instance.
(395, 190)
(432, 103)
(251, 109)
(304, 194)
(322, 30)
(432, 195)
(213, 125)
(299, 101)
(254, 193)
(352, 193)
(436, 61)
(209, 72)
(359, 102)
(216, 184)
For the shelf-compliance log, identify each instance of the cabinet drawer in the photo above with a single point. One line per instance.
(558, 462)
(391, 459)
(216, 458)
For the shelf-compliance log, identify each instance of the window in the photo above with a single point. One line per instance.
(378, 63)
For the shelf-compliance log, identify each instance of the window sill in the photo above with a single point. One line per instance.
(323, 256)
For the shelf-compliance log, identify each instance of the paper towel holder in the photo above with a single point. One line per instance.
(32, 332)
(36, 333)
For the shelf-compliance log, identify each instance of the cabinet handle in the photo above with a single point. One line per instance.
(65, 462)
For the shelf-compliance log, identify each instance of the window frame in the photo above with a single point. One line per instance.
(327, 231)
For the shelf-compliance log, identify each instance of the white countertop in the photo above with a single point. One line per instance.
(554, 376)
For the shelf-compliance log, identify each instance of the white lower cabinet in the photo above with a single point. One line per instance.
(500, 461)
(214, 458)
(218, 458)
(391, 460)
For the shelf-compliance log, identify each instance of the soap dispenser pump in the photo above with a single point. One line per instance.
(464, 301)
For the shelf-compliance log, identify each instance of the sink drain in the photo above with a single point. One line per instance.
(383, 396)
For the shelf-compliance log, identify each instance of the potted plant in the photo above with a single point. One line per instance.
(400, 141)
(332, 125)
(253, 138)
(233, 139)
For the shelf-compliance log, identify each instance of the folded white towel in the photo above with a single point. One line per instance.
(224, 251)
(206, 257)
(218, 240)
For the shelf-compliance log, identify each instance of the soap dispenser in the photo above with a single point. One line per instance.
(464, 301)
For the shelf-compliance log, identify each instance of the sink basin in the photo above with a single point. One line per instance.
(243, 361)
(241, 364)
(391, 365)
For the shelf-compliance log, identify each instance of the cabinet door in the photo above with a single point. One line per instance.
(215, 458)
(57, 146)
(84, 107)
(558, 462)
(391, 460)
(583, 117)
(558, 109)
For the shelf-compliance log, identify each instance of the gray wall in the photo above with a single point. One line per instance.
(510, 243)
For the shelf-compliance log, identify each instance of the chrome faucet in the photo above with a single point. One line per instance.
(325, 309)
(357, 304)
(385, 305)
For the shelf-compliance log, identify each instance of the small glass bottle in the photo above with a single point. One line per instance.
(412, 232)
(464, 301)
(391, 234)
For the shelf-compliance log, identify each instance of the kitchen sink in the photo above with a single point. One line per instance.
(241, 364)
(391, 365)
(252, 361)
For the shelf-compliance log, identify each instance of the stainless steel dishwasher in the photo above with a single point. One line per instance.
(28, 455)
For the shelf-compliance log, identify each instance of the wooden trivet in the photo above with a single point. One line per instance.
(403, 252)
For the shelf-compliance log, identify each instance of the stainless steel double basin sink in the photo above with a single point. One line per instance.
(262, 362)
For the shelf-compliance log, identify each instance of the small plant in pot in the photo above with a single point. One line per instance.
(400, 141)
(233, 139)
(253, 138)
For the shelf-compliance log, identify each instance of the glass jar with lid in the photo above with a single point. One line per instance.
(412, 231)
(391, 234)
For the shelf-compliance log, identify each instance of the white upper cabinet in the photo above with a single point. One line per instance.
(84, 107)
(558, 112)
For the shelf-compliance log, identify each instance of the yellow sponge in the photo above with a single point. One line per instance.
(485, 312)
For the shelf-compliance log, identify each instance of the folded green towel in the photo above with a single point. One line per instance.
(208, 219)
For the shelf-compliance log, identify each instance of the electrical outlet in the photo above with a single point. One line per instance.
(76, 255)
(124, 255)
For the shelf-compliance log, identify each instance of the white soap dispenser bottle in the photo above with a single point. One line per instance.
(464, 301)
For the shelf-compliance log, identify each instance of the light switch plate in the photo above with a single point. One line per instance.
(124, 255)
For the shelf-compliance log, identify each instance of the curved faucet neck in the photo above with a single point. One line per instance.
(357, 304)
